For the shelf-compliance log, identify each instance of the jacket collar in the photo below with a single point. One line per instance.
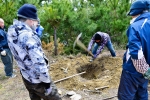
(143, 16)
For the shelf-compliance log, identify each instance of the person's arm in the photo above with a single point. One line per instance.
(135, 51)
(1, 40)
(91, 43)
(36, 54)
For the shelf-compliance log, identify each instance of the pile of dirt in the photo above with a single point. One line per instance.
(102, 72)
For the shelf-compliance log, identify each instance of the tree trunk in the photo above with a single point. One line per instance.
(55, 41)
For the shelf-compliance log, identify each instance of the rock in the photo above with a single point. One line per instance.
(70, 93)
(75, 97)
(59, 92)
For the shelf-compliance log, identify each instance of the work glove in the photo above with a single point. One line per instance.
(48, 91)
(39, 31)
(40, 28)
(93, 58)
(147, 74)
(3, 53)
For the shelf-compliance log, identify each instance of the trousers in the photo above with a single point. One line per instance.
(37, 90)
(132, 87)
(108, 45)
(8, 62)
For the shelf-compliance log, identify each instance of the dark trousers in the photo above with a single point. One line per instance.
(132, 87)
(108, 45)
(8, 62)
(36, 91)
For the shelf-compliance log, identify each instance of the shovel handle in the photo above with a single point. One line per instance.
(89, 52)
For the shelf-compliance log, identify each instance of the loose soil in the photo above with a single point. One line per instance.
(100, 81)
(104, 72)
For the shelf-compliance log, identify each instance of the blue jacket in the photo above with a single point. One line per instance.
(3, 40)
(39, 31)
(138, 37)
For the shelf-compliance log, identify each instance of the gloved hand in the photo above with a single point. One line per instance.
(147, 74)
(93, 58)
(48, 91)
(39, 31)
(40, 28)
(3, 53)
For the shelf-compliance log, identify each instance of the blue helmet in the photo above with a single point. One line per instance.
(138, 7)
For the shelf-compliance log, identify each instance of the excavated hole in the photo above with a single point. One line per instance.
(101, 72)
(100, 68)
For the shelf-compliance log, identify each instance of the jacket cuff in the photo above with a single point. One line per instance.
(1, 49)
(140, 65)
(46, 85)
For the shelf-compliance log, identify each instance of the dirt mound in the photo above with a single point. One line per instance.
(104, 71)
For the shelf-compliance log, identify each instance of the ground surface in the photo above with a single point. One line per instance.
(99, 82)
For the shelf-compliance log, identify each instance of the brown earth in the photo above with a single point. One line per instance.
(100, 81)
(104, 72)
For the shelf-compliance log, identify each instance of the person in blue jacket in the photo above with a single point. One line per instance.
(39, 29)
(5, 53)
(136, 71)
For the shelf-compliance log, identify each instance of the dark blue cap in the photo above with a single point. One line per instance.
(28, 11)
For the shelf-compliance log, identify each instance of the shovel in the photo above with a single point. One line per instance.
(81, 45)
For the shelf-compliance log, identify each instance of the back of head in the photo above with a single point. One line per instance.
(138, 7)
(97, 37)
(1, 23)
(27, 11)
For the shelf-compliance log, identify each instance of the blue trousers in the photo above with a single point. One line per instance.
(8, 62)
(132, 87)
(108, 45)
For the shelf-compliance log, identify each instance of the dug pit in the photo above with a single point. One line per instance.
(105, 67)
(101, 72)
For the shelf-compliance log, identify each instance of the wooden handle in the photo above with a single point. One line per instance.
(80, 44)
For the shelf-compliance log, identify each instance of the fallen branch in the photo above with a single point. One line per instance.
(101, 87)
(109, 97)
(69, 77)
(65, 69)
(94, 91)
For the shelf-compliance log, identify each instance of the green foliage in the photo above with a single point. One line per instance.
(9, 9)
(6, 13)
(71, 18)
(34, 2)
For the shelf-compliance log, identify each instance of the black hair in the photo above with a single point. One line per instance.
(97, 37)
